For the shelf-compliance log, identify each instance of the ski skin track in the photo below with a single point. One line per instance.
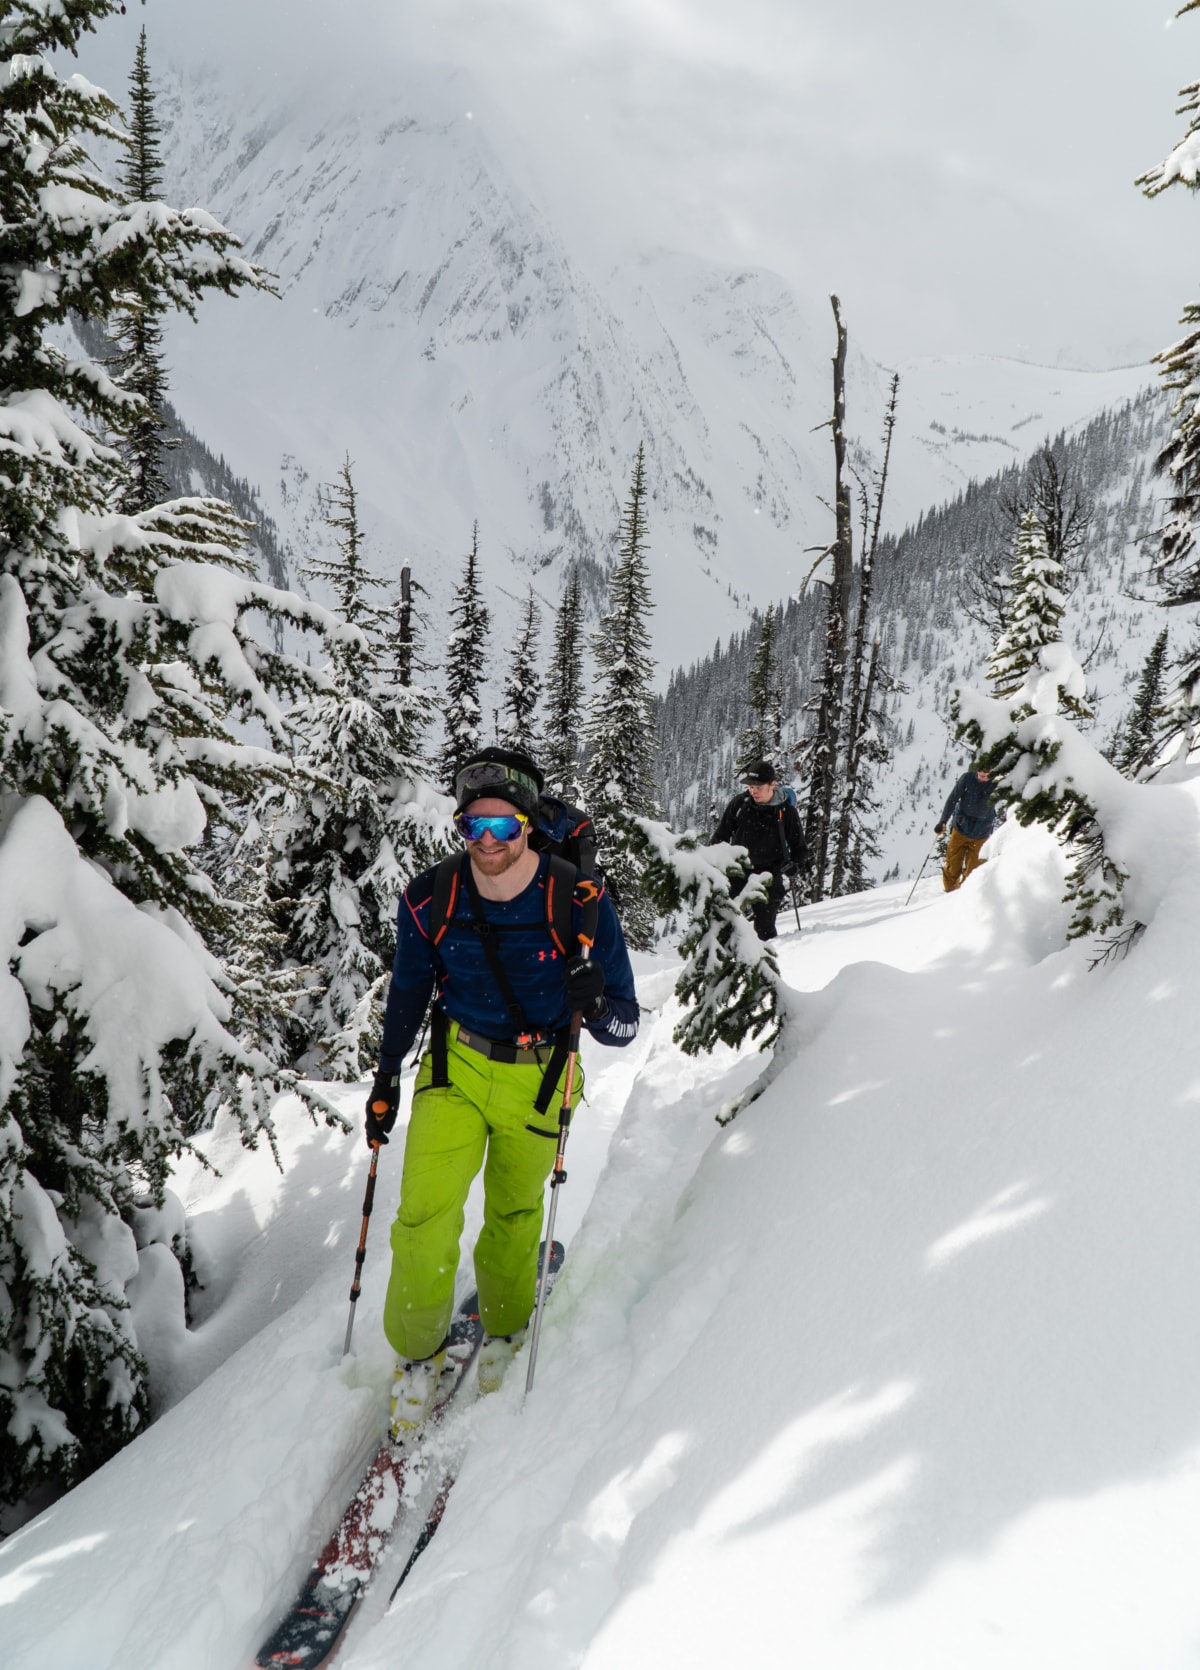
(434, 1517)
(313, 1629)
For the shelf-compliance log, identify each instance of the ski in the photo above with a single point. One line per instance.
(434, 1517)
(311, 1631)
(313, 1628)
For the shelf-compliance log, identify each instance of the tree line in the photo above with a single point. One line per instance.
(204, 829)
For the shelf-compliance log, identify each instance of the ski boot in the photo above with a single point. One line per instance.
(414, 1393)
(497, 1351)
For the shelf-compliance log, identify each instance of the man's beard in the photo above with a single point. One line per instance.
(499, 859)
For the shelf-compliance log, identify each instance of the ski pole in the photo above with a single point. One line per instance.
(795, 901)
(360, 1255)
(557, 1177)
(921, 871)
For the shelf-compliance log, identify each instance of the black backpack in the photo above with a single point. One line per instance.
(568, 832)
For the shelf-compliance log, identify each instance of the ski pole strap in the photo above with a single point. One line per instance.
(438, 1051)
(558, 1060)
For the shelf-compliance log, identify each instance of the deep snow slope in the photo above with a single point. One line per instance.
(900, 1367)
(435, 324)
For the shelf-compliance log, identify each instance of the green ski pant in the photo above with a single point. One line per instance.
(484, 1110)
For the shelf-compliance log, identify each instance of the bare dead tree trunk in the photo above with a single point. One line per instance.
(830, 712)
(862, 676)
(404, 635)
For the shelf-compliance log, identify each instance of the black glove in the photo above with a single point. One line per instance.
(382, 1106)
(939, 829)
(584, 980)
(791, 869)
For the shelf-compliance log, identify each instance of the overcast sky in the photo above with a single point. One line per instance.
(961, 175)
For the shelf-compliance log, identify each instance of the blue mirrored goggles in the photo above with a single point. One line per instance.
(473, 827)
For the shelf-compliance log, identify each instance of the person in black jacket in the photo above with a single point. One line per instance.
(972, 817)
(765, 821)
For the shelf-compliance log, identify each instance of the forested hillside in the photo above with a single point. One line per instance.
(922, 613)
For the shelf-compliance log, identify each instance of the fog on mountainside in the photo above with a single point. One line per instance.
(437, 324)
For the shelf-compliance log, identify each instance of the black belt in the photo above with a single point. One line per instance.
(507, 1054)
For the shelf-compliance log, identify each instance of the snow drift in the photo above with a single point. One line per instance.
(899, 1366)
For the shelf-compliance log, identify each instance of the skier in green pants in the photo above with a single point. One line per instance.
(497, 933)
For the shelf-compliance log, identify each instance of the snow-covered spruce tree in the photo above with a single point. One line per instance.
(1135, 744)
(1035, 604)
(125, 659)
(464, 671)
(522, 686)
(620, 731)
(1177, 567)
(1046, 772)
(1043, 768)
(762, 739)
(564, 695)
(729, 985)
(355, 824)
(139, 331)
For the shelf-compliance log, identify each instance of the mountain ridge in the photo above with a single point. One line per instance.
(437, 326)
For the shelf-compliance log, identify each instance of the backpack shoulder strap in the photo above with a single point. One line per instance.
(783, 846)
(561, 876)
(447, 879)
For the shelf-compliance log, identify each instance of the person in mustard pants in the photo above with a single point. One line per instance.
(972, 818)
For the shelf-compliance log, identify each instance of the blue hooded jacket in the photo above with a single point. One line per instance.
(969, 808)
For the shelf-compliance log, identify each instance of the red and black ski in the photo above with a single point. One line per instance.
(434, 1517)
(311, 1631)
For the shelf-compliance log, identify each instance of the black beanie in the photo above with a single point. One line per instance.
(499, 774)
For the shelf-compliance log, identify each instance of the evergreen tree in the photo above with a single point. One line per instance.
(1178, 565)
(523, 686)
(345, 572)
(1035, 604)
(729, 986)
(1042, 768)
(1048, 489)
(1045, 772)
(347, 837)
(464, 671)
(127, 668)
(1139, 732)
(620, 729)
(763, 737)
(564, 695)
(139, 325)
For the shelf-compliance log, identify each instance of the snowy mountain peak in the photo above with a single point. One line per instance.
(434, 324)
